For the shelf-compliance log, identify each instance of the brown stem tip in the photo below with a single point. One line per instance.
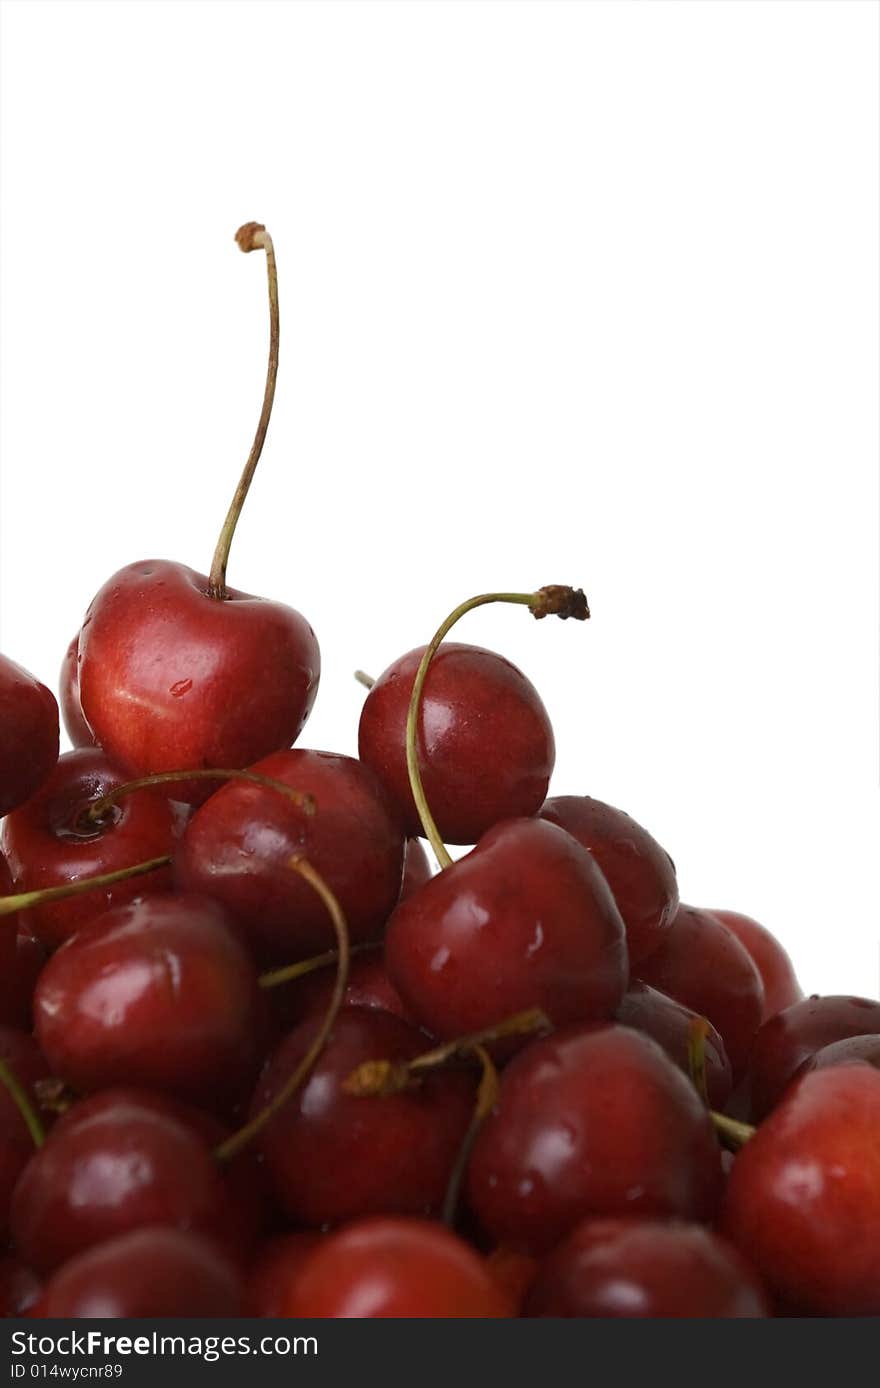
(558, 600)
(250, 237)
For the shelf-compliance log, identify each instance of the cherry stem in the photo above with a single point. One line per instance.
(363, 678)
(289, 973)
(383, 1077)
(555, 600)
(698, 1030)
(22, 901)
(239, 1140)
(23, 1104)
(99, 807)
(487, 1097)
(735, 1133)
(250, 237)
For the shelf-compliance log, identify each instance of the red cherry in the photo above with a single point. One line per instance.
(416, 868)
(19, 1287)
(787, 1040)
(160, 992)
(145, 1274)
(639, 872)
(332, 1156)
(630, 1267)
(77, 728)
(701, 964)
(591, 1120)
(309, 996)
(514, 1272)
(524, 920)
(781, 987)
(485, 743)
(393, 1267)
(670, 1024)
(28, 734)
(274, 1270)
(114, 1166)
(237, 848)
(803, 1199)
(855, 1050)
(50, 841)
(19, 970)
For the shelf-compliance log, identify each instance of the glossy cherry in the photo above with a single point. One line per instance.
(237, 848)
(789, 1039)
(28, 734)
(393, 1267)
(332, 1156)
(639, 872)
(160, 992)
(525, 919)
(671, 1024)
(592, 1120)
(75, 725)
(52, 840)
(633, 1267)
(701, 964)
(803, 1200)
(781, 987)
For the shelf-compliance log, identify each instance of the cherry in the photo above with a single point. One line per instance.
(112, 1164)
(160, 992)
(145, 1274)
(592, 1120)
(639, 872)
(701, 964)
(781, 987)
(855, 1050)
(22, 1066)
(77, 728)
(331, 1155)
(21, 958)
(803, 1199)
(631, 1267)
(395, 1267)
(416, 868)
(514, 1272)
(277, 1265)
(177, 670)
(52, 840)
(671, 1025)
(525, 919)
(237, 848)
(19, 1287)
(787, 1040)
(28, 734)
(309, 995)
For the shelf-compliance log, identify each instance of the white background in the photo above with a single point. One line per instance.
(574, 292)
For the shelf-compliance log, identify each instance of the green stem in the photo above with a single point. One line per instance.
(289, 973)
(487, 1097)
(22, 1103)
(23, 901)
(736, 1134)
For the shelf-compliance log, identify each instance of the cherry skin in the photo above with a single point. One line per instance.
(704, 966)
(631, 1267)
(160, 992)
(277, 1265)
(332, 1156)
(787, 1041)
(638, 871)
(781, 987)
(855, 1050)
(669, 1023)
(591, 1120)
(524, 920)
(394, 1267)
(28, 734)
(75, 725)
(19, 1287)
(309, 996)
(50, 842)
(803, 1200)
(172, 678)
(416, 868)
(237, 848)
(485, 743)
(147, 1273)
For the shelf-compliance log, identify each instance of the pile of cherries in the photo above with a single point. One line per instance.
(257, 1059)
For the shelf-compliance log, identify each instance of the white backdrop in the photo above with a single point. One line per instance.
(575, 292)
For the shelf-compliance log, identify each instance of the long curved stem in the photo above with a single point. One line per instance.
(23, 901)
(251, 237)
(487, 1097)
(557, 600)
(100, 806)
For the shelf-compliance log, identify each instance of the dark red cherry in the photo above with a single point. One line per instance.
(19, 1287)
(115, 1166)
(22, 1055)
(237, 848)
(701, 964)
(19, 969)
(787, 1040)
(393, 1267)
(50, 841)
(309, 996)
(781, 987)
(638, 871)
(592, 1120)
(416, 868)
(277, 1265)
(855, 1050)
(633, 1267)
(332, 1156)
(803, 1200)
(145, 1274)
(77, 728)
(670, 1024)
(524, 920)
(28, 734)
(160, 992)
(485, 743)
